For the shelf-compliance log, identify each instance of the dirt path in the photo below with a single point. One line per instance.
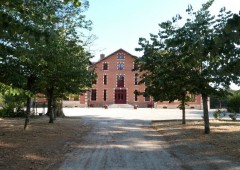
(120, 144)
(131, 144)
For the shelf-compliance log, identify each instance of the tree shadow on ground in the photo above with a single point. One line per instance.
(120, 139)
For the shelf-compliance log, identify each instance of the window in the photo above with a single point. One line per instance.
(105, 79)
(120, 56)
(94, 95)
(105, 66)
(135, 97)
(120, 81)
(136, 79)
(105, 95)
(120, 66)
(135, 66)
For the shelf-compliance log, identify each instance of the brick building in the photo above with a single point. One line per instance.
(116, 83)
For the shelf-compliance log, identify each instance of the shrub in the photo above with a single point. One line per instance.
(233, 116)
(218, 102)
(218, 114)
(12, 106)
(233, 103)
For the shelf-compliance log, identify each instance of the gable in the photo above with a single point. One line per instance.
(119, 55)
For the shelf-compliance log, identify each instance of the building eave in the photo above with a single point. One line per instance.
(101, 60)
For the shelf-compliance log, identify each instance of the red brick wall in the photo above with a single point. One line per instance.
(190, 105)
(129, 83)
(83, 99)
(112, 73)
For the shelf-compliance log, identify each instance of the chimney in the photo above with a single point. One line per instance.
(102, 56)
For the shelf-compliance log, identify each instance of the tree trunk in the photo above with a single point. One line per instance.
(30, 82)
(220, 103)
(48, 109)
(59, 109)
(205, 114)
(54, 113)
(28, 110)
(55, 108)
(50, 104)
(183, 111)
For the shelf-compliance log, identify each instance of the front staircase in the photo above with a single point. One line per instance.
(120, 106)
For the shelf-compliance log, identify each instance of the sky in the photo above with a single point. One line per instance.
(120, 23)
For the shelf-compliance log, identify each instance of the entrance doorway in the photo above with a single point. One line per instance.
(120, 96)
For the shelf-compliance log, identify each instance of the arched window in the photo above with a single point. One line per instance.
(120, 66)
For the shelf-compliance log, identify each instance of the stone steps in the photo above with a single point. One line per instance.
(120, 106)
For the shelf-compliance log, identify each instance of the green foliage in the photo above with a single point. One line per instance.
(1, 100)
(233, 116)
(218, 114)
(75, 96)
(9, 112)
(200, 57)
(12, 105)
(12, 101)
(173, 64)
(9, 90)
(217, 102)
(233, 102)
(42, 47)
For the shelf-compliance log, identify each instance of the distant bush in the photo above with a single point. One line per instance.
(9, 112)
(11, 106)
(233, 116)
(217, 102)
(218, 114)
(233, 103)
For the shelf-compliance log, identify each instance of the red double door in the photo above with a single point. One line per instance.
(120, 96)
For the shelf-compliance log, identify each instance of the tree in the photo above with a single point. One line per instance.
(24, 24)
(26, 28)
(66, 70)
(212, 54)
(161, 61)
(197, 56)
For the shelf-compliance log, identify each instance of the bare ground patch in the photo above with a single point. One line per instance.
(42, 145)
(222, 141)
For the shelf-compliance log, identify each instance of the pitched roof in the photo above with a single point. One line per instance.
(112, 54)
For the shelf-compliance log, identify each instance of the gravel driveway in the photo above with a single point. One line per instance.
(121, 139)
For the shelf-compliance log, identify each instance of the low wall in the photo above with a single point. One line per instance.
(73, 104)
(175, 106)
